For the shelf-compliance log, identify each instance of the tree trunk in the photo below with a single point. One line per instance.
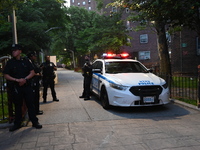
(165, 64)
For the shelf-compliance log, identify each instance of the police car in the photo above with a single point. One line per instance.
(119, 81)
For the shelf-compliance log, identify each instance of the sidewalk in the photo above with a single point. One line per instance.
(66, 126)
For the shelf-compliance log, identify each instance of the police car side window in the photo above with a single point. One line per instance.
(94, 66)
(99, 65)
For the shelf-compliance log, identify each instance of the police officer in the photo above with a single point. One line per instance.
(35, 81)
(19, 71)
(87, 74)
(48, 77)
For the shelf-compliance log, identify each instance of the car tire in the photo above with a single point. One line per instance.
(104, 99)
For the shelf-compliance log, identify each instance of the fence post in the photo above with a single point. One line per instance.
(198, 103)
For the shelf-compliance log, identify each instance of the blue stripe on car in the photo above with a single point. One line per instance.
(104, 78)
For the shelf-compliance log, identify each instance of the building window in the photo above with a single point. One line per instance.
(168, 37)
(78, 4)
(89, 1)
(89, 8)
(144, 55)
(128, 40)
(144, 38)
(198, 45)
(127, 10)
(72, 1)
(114, 9)
(83, 3)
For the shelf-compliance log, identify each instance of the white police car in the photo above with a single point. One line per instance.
(127, 82)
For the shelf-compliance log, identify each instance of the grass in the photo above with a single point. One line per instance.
(188, 101)
(4, 105)
(185, 82)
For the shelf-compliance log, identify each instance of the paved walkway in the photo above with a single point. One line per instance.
(62, 130)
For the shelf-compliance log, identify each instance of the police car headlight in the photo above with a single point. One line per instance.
(118, 86)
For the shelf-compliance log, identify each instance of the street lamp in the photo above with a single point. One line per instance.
(72, 56)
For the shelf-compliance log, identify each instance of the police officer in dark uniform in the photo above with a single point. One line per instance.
(19, 71)
(35, 81)
(87, 74)
(48, 76)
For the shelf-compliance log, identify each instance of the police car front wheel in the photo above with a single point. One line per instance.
(104, 99)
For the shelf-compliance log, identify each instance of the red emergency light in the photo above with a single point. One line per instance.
(115, 56)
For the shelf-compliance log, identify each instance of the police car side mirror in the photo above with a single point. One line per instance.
(96, 70)
(150, 70)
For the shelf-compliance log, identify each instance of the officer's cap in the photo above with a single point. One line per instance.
(16, 47)
(32, 53)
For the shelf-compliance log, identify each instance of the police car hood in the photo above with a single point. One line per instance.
(130, 79)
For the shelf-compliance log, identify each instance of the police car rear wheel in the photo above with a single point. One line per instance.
(104, 99)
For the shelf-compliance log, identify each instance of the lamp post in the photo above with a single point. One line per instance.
(72, 56)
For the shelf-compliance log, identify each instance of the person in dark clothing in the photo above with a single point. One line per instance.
(48, 77)
(35, 83)
(19, 71)
(87, 74)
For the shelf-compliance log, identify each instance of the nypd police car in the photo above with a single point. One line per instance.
(119, 81)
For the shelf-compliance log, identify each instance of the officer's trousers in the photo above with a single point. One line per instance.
(21, 93)
(86, 87)
(49, 82)
(37, 98)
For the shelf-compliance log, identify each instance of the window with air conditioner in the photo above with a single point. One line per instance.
(83, 3)
(89, 8)
(144, 55)
(144, 38)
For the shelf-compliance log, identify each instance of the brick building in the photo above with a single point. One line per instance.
(184, 46)
(88, 4)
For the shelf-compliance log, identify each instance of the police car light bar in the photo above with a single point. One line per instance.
(115, 56)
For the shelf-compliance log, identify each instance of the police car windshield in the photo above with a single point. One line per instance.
(124, 67)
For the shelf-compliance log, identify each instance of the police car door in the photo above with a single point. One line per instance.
(97, 71)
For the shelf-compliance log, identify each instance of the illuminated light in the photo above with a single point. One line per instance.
(124, 55)
(111, 55)
(115, 56)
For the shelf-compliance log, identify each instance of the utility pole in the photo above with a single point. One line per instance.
(14, 28)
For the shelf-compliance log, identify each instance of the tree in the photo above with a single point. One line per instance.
(189, 15)
(35, 25)
(162, 13)
(93, 32)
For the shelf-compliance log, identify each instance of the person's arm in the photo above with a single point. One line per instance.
(8, 77)
(54, 67)
(22, 81)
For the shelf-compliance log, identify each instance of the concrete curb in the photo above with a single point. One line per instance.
(185, 104)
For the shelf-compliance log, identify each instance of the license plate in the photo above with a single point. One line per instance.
(148, 99)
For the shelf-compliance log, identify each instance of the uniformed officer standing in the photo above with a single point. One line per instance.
(35, 83)
(19, 71)
(87, 74)
(48, 76)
